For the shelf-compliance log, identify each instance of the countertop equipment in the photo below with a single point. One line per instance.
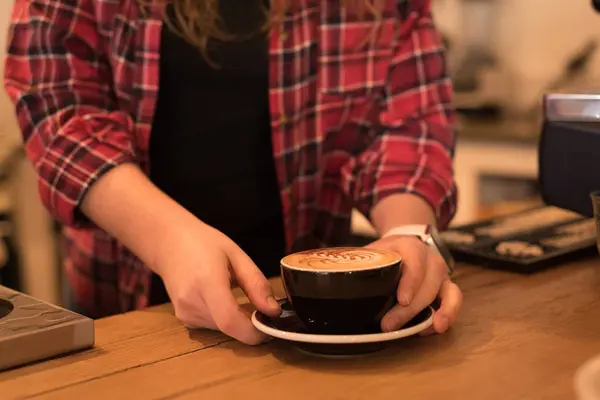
(569, 151)
(569, 155)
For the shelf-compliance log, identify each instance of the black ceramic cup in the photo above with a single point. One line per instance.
(596, 208)
(342, 290)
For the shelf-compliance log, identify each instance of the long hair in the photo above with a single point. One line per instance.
(198, 21)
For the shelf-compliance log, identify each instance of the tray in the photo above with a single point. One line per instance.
(524, 242)
(32, 330)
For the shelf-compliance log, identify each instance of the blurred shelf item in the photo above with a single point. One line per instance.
(573, 107)
(5, 200)
(477, 159)
(493, 126)
(33, 240)
(509, 53)
(9, 257)
(497, 209)
(9, 157)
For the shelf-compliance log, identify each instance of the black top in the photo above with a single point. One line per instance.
(210, 147)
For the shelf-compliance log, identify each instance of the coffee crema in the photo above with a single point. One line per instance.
(341, 259)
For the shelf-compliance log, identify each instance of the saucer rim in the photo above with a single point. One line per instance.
(343, 339)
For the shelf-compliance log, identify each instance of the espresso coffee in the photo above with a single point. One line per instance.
(341, 259)
(341, 290)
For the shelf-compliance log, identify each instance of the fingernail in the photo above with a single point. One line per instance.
(406, 298)
(442, 323)
(388, 325)
(272, 302)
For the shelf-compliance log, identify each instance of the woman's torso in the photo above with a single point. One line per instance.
(323, 105)
(210, 144)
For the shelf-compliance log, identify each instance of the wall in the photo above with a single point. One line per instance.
(8, 131)
(34, 233)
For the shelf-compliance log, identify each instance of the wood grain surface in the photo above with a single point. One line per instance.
(518, 337)
(34, 330)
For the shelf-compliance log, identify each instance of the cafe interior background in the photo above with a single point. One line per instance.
(503, 56)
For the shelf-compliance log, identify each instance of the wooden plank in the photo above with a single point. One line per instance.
(122, 342)
(517, 338)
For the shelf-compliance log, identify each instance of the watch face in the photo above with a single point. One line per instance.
(442, 248)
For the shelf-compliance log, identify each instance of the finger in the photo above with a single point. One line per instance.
(414, 261)
(451, 303)
(196, 315)
(399, 315)
(253, 283)
(199, 323)
(414, 258)
(226, 312)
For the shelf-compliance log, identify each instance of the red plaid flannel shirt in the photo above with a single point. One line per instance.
(350, 125)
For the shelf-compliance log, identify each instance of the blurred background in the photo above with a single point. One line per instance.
(502, 54)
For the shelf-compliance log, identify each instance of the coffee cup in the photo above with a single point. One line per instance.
(341, 290)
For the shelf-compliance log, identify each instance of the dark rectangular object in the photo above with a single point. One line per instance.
(529, 250)
(569, 151)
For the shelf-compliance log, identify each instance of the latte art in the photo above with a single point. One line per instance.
(341, 259)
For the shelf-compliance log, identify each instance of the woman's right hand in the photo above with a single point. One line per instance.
(196, 262)
(198, 268)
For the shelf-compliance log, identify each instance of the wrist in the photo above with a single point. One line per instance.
(416, 230)
(127, 205)
(400, 210)
(427, 234)
(177, 232)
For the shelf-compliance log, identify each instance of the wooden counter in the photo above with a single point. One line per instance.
(518, 338)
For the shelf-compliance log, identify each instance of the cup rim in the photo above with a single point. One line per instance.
(397, 260)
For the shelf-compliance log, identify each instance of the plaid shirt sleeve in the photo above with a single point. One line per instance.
(414, 149)
(59, 81)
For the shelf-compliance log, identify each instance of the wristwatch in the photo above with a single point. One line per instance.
(430, 236)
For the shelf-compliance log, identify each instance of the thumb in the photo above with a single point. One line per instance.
(253, 283)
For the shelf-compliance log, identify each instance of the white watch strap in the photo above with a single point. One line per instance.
(408, 230)
(424, 233)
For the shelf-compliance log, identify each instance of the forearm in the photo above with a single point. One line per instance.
(126, 204)
(418, 136)
(401, 209)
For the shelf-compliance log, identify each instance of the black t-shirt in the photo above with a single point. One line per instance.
(210, 146)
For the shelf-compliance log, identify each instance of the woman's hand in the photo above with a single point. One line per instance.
(424, 278)
(198, 269)
(196, 262)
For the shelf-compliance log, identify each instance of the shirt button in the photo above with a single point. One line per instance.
(283, 119)
(283, 36)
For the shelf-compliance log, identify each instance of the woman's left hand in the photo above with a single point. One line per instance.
(424, 278)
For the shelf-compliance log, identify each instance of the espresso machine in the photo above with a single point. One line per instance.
(563, 229)
(569, 152)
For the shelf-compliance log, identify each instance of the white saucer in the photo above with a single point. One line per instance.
(289, 327)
